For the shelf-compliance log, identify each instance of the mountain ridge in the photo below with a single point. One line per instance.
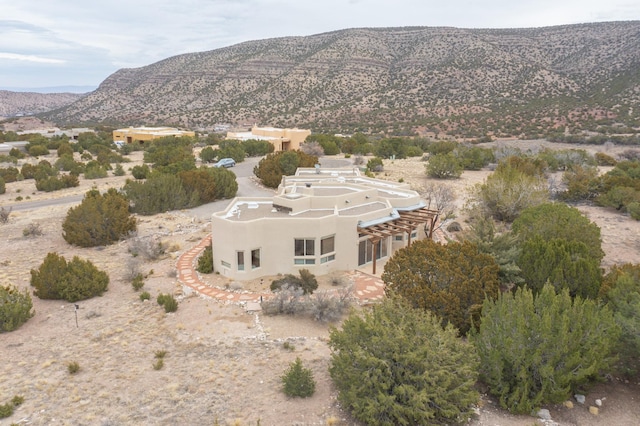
(399, 80)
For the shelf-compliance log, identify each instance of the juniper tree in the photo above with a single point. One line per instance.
(450, 280)
(537, 349)
(395, 365)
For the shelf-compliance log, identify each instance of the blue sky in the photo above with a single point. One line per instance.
(52, 43)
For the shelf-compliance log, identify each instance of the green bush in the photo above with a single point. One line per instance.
(394, 365)
(231, 149)
(50, 184)
(15, 308)
(450, 280)
(307, 282)
(95, 170)
(509, 190)
(605, 160)
(562, 263)
(73, 367)
(444, 166)
(6, 410)
(539, 349)
(119, 170)
(208, 155)
(161, 192)
(168, 302)
(138, 282)
(621, 290)
(140, 172)
(298, 381)
(145, 296)
(3, 187)
(284, 163)
(101, 219)
(9, 174)
(257, 148)
(375, 165)
(38, 150)
(65, 149)
(205, 261)
(71, 281)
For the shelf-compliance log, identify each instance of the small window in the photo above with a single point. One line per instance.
(398, 237)
(327, 245)
(240, 256)
(328, 258)
(304, 247)
(255, 258)
(414, 234)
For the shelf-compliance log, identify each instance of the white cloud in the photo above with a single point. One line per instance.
(30, 58)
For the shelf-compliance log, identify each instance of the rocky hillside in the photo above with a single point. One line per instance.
(14, 104)
(465, 82)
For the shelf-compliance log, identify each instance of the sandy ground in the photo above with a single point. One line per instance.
(223, 365)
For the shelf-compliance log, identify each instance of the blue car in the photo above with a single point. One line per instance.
(225, 162)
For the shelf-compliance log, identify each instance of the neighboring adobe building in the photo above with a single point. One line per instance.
(323, 220)
(281, 139)
(144, 134)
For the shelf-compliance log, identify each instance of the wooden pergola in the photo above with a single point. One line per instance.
(406, 223)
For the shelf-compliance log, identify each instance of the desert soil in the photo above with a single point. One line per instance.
(223, 365)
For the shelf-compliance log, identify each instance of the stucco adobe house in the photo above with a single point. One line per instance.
(143, 134)
(320, 219)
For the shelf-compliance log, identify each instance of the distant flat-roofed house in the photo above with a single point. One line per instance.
(144, 134)
(281, 139)
(323, 220)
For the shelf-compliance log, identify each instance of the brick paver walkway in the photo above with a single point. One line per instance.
(367, 288)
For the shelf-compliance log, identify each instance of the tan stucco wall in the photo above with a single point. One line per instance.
(132, 134)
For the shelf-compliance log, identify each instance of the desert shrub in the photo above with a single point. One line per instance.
(298, 381)
(3, 187)
(64, 149)
(161, 192)
(441, 147)
(119, 170)
(605, 160)
(395, 365)
(170, 154)
(138, 282)
(621, 290)
(205, 261)
(95, 170)
(207, 155)
(38, 150)
(508, 191)
(15, 308)
(50, 184)
(288, 301)
(474, 158)
(16, 153)
(307, 282)
(450, 280)
(582, 183)
(100, 219)
(158, 364)
(329, 306)
(32, 230)
(271, 168)
(4, 213)
(634, 210)
(312, 148)
(68, 164)
(375, 165)
(73, 367)
(145, 296)
(71, 281)
(150, 248)
(564, 264)
(140, 172)
(231, 149)
(558, 220)
(168, 302)
(538, 349)
(444, 166)
(206, 184)
(6, 410)
(9, 174)
(257, 148)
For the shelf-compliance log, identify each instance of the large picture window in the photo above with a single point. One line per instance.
(305, 247)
